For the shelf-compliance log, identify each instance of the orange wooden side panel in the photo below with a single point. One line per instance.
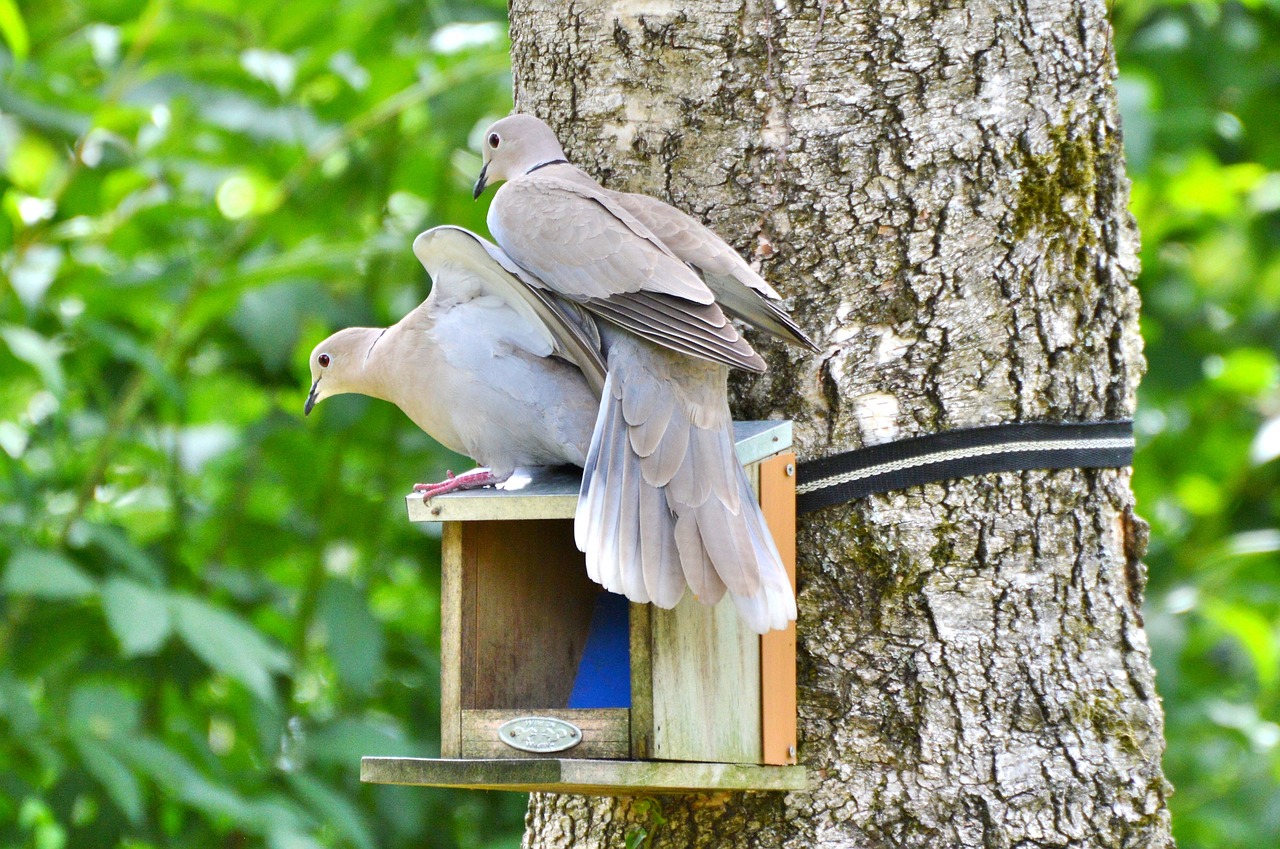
(778, 648)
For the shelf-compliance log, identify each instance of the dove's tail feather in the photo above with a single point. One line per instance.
(773, 604)
(740, 547)
(623, 524)
(665, 503)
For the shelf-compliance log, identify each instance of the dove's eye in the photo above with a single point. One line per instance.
(494, 141)
(323, 359)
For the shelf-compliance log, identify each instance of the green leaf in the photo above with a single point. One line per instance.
(334, 808)
(139, 279)
(1254, 633)
(14, 30)
(17, 706)
(43, 355)
(270, 318)
(1199, 494)
(229, 644)
(103, 711)
(138, 616)
(288, 838)
(40, 820)
(314, 258)
(179, 778)
(354, 636)
(1247, 371)
(45, 574)
(247, 194)
(128, 349)
(115, 777)
(34, 271)
(118, 548)
(347, 740)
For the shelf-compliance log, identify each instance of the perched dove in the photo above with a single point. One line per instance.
(488, 365)
(664, 502)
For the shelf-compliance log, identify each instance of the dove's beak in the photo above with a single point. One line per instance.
(311, 399)
(480, 183)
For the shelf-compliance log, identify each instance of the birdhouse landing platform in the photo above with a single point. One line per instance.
(549, 683)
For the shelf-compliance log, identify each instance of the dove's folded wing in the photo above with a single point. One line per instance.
(576, 240)
(738, 289)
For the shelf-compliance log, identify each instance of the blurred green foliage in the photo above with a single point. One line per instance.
(1199, 89)
(210, 608)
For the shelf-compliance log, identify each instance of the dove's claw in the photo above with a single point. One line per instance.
(452, 483)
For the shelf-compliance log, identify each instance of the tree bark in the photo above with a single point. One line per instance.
(938, 188)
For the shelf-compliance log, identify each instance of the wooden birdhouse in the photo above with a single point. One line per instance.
(550, 683)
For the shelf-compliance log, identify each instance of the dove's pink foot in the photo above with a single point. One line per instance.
(452, 483)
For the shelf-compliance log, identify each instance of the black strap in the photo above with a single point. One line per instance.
(961, 453)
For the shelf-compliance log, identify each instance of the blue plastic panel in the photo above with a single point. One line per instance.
(604, 674)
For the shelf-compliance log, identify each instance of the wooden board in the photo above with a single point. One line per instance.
(706, 684)
(451, 651)
(542, 493)
(529, 604)
(641, 682)
(606, 733)
(778, 648)
(594, 777)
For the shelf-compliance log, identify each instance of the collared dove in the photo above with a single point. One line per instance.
(664, 502)
(487, 365)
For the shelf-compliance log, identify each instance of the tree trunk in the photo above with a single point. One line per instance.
(938, 189)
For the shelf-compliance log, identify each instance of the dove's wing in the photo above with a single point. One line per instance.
(484, 269)
(574, 238)
(737, 288)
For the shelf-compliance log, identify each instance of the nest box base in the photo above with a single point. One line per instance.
(578, 775)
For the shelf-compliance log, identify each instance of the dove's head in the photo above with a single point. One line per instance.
(338, 365)
(514, 146)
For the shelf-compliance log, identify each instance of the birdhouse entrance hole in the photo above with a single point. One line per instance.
(534, 637)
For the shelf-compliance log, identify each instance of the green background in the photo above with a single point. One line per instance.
(210, 608)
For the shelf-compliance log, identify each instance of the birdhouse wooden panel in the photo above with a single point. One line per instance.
(549, 682)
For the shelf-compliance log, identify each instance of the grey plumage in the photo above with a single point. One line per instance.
(487, 365)
(738, 290)
(578, 239)
(664, 502)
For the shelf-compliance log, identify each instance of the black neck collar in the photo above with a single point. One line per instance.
(548, 162)
(375, 343)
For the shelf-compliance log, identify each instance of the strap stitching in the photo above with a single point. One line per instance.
(964, 454)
